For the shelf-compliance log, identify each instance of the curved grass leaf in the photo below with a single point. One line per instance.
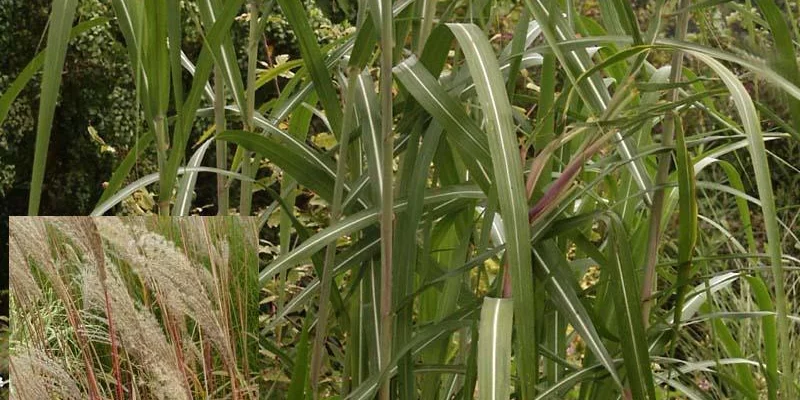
(183, 198)
(309, 49)
(463, 133)
(507, 172)
(355, 255)
(142, 182)
(306, 171)
(494, 349)
(369, 116)
(628, 313)
(54, 54)
(752, 127)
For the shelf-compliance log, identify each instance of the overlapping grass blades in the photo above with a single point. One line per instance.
(430, 165)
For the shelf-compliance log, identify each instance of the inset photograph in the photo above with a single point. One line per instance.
(133, 308)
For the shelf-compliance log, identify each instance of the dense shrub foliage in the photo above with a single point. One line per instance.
(97, 92)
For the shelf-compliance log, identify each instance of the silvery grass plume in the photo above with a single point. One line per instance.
(140, 334)
(35, 375)
(37, 243)
(29, 235)
(181, 286)
(23, 285)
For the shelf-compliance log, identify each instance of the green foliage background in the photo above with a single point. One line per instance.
(98, 91)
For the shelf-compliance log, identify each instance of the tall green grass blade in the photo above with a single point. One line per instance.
(785, 63)
(507, 171)
(297, 387)
(174, 35)
(221, 46)
(735, 182)
(628, 313)
(326, 279)
(310, 51)
(467, 136)
(518, 44)
(58, 35)
(752, 128)
(369, 116)
(249, 163)
(221, 147)
(494, 349)
(764, 302)
(687, 215)
(555, 341)
(156, 64)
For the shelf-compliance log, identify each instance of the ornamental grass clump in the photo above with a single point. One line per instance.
(536, 198)
(146, 317)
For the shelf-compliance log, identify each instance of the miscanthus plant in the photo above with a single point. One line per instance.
(144, 308)
(521, 199)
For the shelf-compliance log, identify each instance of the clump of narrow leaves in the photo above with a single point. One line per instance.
(526, 211)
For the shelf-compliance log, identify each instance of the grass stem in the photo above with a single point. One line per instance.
(387, 214)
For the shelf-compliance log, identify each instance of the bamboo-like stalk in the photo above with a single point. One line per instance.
(162, 146)
(246, 193)
(330, 252)
(387, 214)
(221, 146)
(657, 207)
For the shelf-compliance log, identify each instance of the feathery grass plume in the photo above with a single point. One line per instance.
(23, 286)
(36, 242)
(83, 234)
(169, 273)
(35, 375)
(150, 312)
(139, 332)
(31, 234)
